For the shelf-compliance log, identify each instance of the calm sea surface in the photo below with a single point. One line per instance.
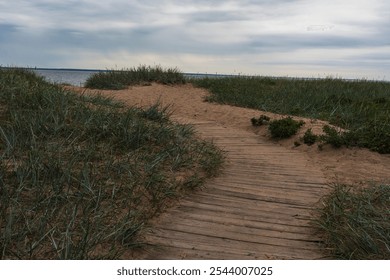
(73, 77)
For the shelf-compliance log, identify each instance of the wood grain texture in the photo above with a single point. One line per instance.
(258, 208)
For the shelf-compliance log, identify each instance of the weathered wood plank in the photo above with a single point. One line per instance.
(259, 207)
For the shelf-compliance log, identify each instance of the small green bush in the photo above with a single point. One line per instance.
(156, 113)
(284, 128)
(333, 137)
(309, 138)
(263, 119)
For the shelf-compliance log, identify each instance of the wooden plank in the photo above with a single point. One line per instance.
(250, 214)
(290, 226)
(214, 246)
(241, 226)
(248, 205)
(238, 233)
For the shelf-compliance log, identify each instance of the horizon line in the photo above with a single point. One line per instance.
(200, 74)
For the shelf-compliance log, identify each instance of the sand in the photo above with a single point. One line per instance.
(261, 205)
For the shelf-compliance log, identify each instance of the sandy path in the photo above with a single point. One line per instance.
(259, 208)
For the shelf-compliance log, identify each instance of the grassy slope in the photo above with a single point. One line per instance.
(81, 175)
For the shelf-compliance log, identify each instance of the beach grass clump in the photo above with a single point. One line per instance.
(284, 128)
(333, 137)
(141, 75)
(80, 175)
(355, 222)
(362, 107)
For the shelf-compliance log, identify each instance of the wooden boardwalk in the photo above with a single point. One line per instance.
(258, 208)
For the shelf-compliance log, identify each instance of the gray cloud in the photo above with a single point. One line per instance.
(293, 42)
(245, 33)
(212, 16)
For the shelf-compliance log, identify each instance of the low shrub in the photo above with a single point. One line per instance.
(309, 138)
(333, 137)
(284, 128)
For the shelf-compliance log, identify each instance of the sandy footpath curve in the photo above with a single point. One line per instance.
(259, 207)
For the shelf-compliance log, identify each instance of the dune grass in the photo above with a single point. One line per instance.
(361, 107)
(81, 175)
(355, 222)
(141, 75)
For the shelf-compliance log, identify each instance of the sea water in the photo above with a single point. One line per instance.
(75, 77)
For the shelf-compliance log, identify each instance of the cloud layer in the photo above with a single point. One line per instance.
(285, 38)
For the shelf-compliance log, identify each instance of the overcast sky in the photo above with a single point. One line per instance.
(309, 38)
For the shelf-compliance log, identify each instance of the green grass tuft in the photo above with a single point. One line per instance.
(142, 75)
(355, 222)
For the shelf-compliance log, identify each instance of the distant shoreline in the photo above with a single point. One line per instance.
(201, 75)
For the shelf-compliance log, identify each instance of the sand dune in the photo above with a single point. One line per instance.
(259, 207)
